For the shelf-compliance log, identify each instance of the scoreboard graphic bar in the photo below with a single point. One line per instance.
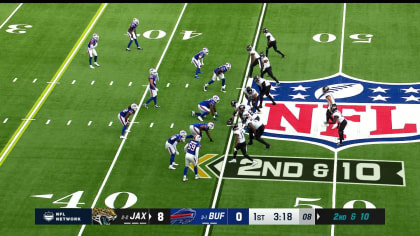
(206, 216)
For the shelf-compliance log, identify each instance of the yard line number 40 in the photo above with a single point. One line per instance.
(73, 200)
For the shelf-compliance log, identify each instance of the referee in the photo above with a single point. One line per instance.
(256, 128)
(255, 59)
(271, 42)
(267, 67)
(265, 88)
(240, 144)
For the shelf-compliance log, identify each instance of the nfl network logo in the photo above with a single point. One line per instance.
(376, 112)
(48, 216)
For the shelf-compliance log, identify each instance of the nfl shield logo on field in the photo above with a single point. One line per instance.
(48, 216)
(376, 112)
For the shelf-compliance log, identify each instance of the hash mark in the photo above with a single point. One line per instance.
(168, 85)
(129, 84)
(74, 81)
(14, 80)
(34, 80)
(5, 120)
(90, 122)
(110, 123)
(69, 122)
(93, 81)
(151, 125)
(48, 121)
(111, 83)
(186, 86)
(172, 125)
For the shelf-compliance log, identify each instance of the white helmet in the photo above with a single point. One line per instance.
(197, 138)
(96, 36)
(228, 65)
(183, 133)
(206, 51)
(134, 106)
(136, 21)
(153, 71)
(216, 98)
(211, 125)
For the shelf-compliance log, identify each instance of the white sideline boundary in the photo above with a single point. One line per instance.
(131, 123)
(219, 182)
(11, 14)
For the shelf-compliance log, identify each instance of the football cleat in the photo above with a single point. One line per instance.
(192, 113)
(197, 138)
(223, 90)
(127, 49)
(254, 162)
(197, 177)
(175, 164)
(171, 167)
(136, 21)
(211, 125)
(92, 67)
(216, 98)
(96, 64)
(96, 36)
(206, 51)
(145, 105)
(232, 161)
(139, 48)
(268, 146)
(200, 118)
(134, 106)
(196, 76)
(185, 179)
(157, 106)
(205, 88)
(121, 136)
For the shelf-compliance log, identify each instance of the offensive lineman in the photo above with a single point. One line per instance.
(265, 88)
(271, 42)
(124, 115)
(252, 97)
(93, 43)
(240, 143)
(133, 34)
(192, 149)
(219, 73)
(255, 59)
(171, 146)
(153, 77)
(342, 122)
(267, 67)
(198, 61)
(331, 101)
(256, 128)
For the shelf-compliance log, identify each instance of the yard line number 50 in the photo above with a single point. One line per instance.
(328, 38)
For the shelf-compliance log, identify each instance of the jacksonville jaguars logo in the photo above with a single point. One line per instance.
(376, 112)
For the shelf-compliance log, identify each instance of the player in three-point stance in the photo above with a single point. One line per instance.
(342, 122)
(271, 42)
(240, 144)
(267, 68)
(331, 101)
(93, 43)
(133, 34)
(197, 128)
(255, 59)
(192, 149)
(252, 97)
(153, 77)
(124, 115)
(241, 109)
(219, 73)
(265, 88)
(256, 128)
(171, 146)
(206, 107)
(198, 61)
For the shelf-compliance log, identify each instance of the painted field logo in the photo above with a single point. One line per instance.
(376, 112)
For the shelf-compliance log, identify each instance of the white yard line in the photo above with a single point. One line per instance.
(131, 123)
(8, 18)
(219, 182)
(334, 191)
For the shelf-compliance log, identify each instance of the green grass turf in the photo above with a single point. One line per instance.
(5, 10)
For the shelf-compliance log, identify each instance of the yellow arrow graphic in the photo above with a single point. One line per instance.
(203, 159)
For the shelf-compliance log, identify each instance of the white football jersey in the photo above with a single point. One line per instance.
(241, 135)
(252, 94)
(261, 81)
(254, 121)
(339, 115)
(256, 55)
(271, 36)
(332, 99)
(266, 64)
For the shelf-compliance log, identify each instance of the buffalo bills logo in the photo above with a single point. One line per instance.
(376, 112)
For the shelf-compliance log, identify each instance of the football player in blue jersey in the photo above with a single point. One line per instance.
(171, 146)
(93, 43)
(153, 77)
(192, 149)
(206, 107)
(133, 34)
(198, 61)
(197, 128)
(219, 73)
(124, 115)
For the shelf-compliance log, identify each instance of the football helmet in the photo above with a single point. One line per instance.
(211, 125)
(197, 138)
(242, 108)
(233, 103)
(248, 48)
(136, 21)
(153, 71)
(256, 79)
(235, 127)
(333, 107)
(325, 89)
(262, 54)
(249, 90)
(265, 30)
(96, 36)
(216, 98)
(183, 133)
(228, 65)
(206, 51)
(134, 106)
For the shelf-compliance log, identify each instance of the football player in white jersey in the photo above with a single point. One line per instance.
(256, 128)
(267, 67)
(240, 144)
(331, 101)
(252, 97)
(192, 150)
(342, 122)
(255, 59)
(265, 88)
(93, 43)
(271, 42)
(241, 109)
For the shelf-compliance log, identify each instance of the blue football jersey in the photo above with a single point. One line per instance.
(124, 112)
(174, 138)
(223, 69)
(132, 27)
(92, 42)
(199, 55)
(192, 147)
(207, 102)
(153, 77)
(197, 125)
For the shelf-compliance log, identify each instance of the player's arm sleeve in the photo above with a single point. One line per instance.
(185, 147)
(151, 83)
(197, 151)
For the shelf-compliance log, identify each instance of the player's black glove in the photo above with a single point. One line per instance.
(229, 122)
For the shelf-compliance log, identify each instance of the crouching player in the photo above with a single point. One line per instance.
(123, 117)
(197, 128)
(205, 107)
(171, 146)
(192, 149)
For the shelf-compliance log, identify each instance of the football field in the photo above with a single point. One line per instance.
(60, 133)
